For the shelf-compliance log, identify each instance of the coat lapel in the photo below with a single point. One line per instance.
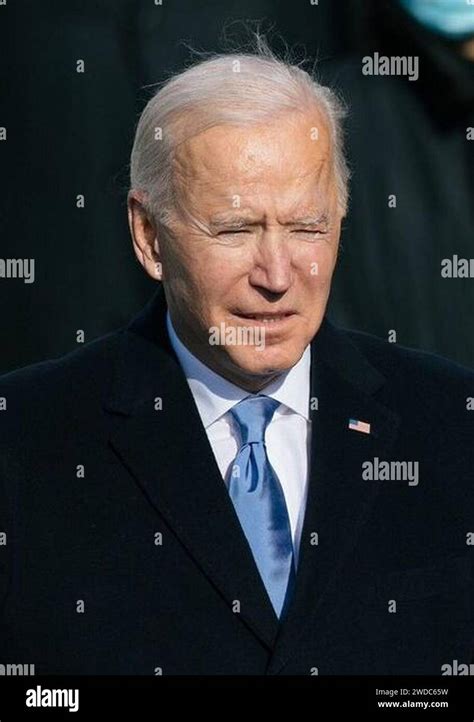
(168, 454)
(339, 501)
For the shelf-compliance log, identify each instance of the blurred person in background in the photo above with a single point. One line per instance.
(409, 235)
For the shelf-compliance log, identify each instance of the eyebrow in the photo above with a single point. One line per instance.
(240, 221)
(322, 219)
(231, 222)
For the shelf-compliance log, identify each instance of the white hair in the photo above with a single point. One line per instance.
(229, 88)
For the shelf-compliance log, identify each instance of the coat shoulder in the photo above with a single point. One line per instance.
(39, 395)
(409, 367)
(91, 356)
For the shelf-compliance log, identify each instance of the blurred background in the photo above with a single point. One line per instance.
(69, 134)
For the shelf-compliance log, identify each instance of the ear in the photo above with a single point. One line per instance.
(144, 235)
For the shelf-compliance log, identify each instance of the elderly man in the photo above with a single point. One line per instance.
(231, 485)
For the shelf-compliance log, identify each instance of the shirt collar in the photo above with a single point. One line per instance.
(214, 395)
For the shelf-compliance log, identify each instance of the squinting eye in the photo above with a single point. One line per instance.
(230, 233)
(313, 233)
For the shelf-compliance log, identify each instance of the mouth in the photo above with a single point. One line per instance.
(268, 319)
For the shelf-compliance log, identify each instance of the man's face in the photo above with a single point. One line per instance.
(255, 239)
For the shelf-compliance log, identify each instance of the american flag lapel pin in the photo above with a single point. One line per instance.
(357, 425)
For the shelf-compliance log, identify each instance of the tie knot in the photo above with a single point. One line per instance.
(253, 415)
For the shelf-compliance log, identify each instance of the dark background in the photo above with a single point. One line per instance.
(70, 133)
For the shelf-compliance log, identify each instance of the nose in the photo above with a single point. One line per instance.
(272, 269)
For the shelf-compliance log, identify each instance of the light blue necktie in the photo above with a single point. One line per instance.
(259, 501)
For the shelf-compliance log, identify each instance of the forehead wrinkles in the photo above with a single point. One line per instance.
(226, 162)
(288, 137)
(285, 184)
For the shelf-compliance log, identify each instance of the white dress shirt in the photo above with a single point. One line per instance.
(288, 434)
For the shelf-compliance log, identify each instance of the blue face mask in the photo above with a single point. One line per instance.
(453, 19)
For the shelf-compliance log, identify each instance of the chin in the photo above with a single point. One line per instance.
(267, 361)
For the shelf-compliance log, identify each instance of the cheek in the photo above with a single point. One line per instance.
(317, 266)
(213, 285)
(221, 270)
